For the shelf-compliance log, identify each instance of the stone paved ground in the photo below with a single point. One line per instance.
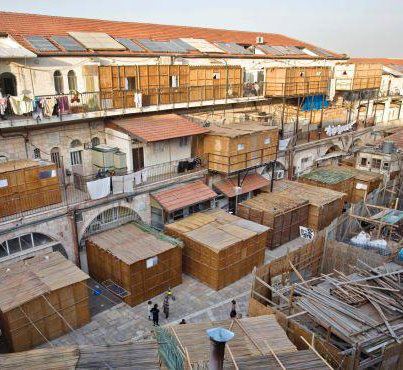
(194, 302)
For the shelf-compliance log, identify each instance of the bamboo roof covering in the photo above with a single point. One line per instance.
(20, 164)
(252, 334)
(26, 280)
(216, 229)
(233, 130)
(317, 196)
(139, 355)
(275, 203)
(131, 243)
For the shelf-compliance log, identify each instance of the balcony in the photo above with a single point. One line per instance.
(74, 193)
(89, 105)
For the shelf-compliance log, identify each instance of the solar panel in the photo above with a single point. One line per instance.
(68, 43)
(129, 44)
(293, 50)
(269, 50)
(183, 44)
(233, 48)
(40, 43)
(322, 52)
(97, 41)
(162, 46)
(203, 45)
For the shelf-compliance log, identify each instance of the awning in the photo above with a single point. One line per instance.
(184, 196)
(331, 155)
(253, 181)
(157, 127)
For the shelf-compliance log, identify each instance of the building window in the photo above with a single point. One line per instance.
(76, 157)
(364, 161)
(376, 163)
(3, 159)
(240, 147)
(267, 141)
(8, 84)
(23, 243)
(72, 80)
(173, 81)
(216, 75)
(58, 82)
(385, 166)
(177, 215)
(183, 141)
(37, 153)
(130, 83)
(95, 142)
(55, 157)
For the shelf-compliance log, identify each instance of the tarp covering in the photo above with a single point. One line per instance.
(314, 102)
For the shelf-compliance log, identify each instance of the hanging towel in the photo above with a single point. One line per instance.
(21, 104)
(3, 105)
(137, 178)
(128, 183)
(63, 104)
(99, 188)
(144, 175)
(138, 100)
(117, 184)
(48, 106)
(38, 109)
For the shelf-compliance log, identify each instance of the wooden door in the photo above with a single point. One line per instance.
(138, 159)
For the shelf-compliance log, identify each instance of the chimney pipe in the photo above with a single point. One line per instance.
(218, 338)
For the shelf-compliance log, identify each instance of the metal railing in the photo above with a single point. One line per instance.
(76, 192)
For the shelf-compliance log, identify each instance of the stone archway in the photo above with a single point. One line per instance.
(107, 219)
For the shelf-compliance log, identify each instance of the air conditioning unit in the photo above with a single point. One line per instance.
(259, 40)
(279, 174)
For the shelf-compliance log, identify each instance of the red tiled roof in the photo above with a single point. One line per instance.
(184, 196)
(251, 182)
(384, 61)
(19, 25)
(157, 127)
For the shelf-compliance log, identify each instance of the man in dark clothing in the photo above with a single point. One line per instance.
(232, 314)
(156, 313)
(165, 306)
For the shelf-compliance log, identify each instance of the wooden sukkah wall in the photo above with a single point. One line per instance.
(218, 267)
(141, 282)
(223, 153)
(49, 315)
(294, 81)
(324, 205)
(25, 188)
(193, 83)
(282, 212)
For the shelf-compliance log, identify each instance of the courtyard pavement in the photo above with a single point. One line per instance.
(116, 322)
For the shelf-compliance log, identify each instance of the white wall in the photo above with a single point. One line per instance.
(166, 151)
(123, 142)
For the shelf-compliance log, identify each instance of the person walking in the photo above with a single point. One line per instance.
(232, 313)
(149, 308)
(156, 315)
(165, 306)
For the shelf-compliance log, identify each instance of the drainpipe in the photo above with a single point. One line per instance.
(218, 339)
(72, 220)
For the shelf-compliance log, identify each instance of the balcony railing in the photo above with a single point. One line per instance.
(76, 192)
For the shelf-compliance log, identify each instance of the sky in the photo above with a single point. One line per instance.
(359, 28)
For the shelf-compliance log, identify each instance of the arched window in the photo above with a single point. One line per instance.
(76, 149)
(3, 159)
(72, 80)
(37, 153)
(8, 84)
(24, 243)
(95, 141)
(55, 157)
(58, 81)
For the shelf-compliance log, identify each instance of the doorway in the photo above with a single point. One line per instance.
(138, 159)
(8, 84)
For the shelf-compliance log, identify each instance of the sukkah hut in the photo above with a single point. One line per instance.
(342, 299)
(258, 343)
(41, 298)
(27, 184)
(325, 205)
(135, 261)
(219, 248)
(355, 183)
(283, 212)
(139, 355)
